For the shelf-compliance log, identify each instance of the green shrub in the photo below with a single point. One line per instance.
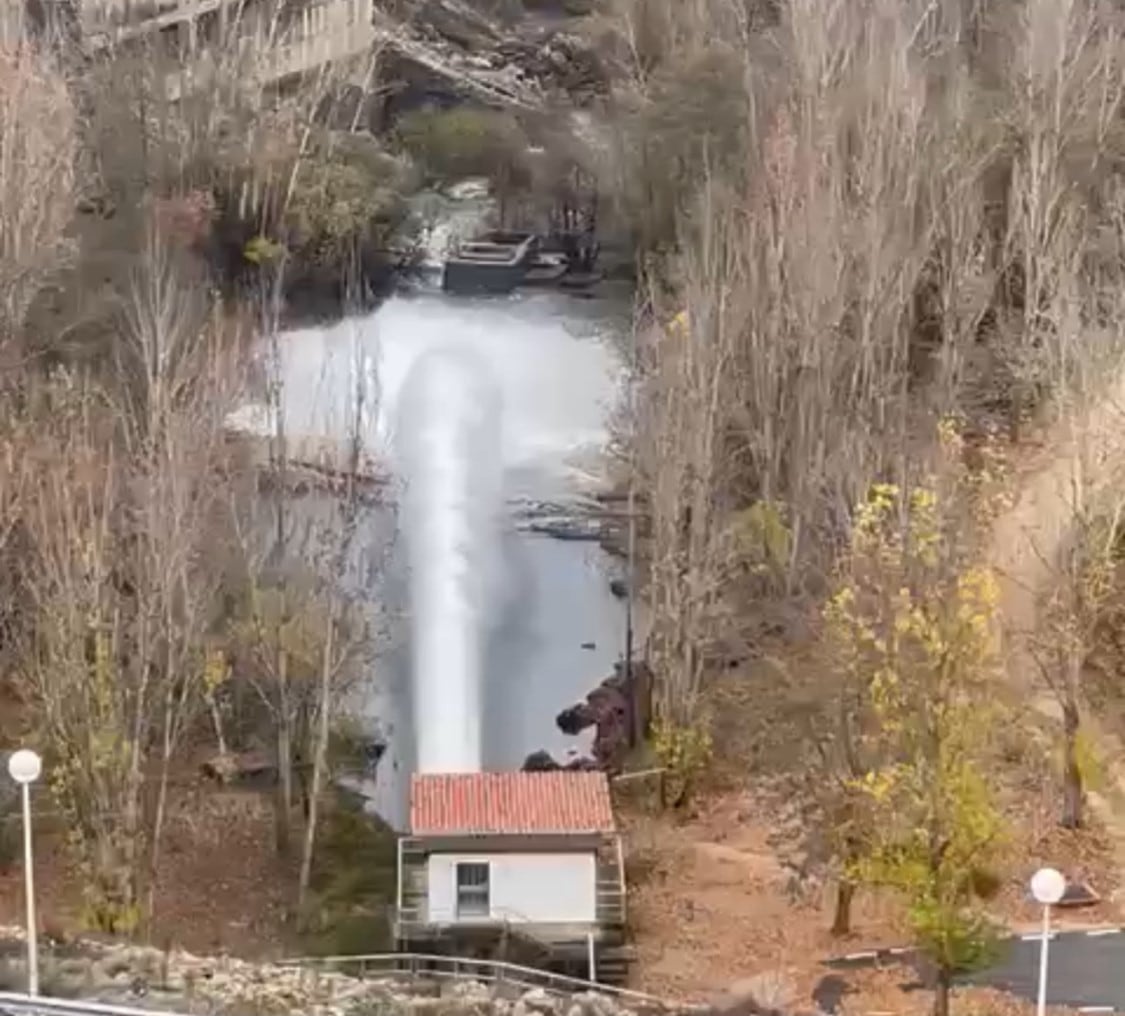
(347, 190)
(463, 142)
(354, 881)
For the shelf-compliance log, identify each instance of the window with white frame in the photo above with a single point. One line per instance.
(472, 889)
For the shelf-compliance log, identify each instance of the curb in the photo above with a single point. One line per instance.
(873, 957)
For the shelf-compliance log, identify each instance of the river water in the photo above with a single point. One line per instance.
(553, 629)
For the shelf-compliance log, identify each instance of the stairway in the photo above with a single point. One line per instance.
(610, 887)
(613, 965)
(411, 914)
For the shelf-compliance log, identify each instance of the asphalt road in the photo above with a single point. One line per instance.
(1086, 968)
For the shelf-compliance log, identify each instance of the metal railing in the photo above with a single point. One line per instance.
(41, 1005)
(386, 966)
(498, 973)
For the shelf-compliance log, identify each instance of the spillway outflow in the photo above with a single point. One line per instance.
(448, 444)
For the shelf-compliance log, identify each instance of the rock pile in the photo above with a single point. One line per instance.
(559, 62)
(607, 709)
(478, 58)
(176, 981)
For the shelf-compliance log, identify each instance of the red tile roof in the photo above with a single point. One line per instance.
(512, 803)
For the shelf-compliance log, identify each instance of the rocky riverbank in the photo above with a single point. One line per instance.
(615, 708)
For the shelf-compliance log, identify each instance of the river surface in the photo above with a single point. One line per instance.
(554, 629)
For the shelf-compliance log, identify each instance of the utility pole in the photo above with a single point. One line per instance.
(631, 546)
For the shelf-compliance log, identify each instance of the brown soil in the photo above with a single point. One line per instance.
(712, 906)
(221, 887)
(711, 903)
(1026, 541)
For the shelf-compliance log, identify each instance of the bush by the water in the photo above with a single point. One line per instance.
(457, 143)
(348, 191)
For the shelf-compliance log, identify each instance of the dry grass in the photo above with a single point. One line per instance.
(714, 906)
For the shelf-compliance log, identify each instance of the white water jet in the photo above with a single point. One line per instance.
(448, 442)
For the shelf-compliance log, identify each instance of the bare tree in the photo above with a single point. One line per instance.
(809, 266)
(344, 637)
(38, 185)
(93, 705)
(683, 458)
(176, 380)
(1064, 91)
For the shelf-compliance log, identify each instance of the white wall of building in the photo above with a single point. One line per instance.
(543, 888)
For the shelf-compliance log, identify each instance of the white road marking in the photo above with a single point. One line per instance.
(862, 955)
(1099, 932)
(1039, 937)
(1096, 1008)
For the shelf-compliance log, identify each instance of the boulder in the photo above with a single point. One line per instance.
(544, 762)
(574, 719)
(607, 708)
(539, 1000)
(539, 762)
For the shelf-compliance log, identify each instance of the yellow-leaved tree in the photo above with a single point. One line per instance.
(912, 630)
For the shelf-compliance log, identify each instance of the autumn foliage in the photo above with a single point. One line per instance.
(913, 628)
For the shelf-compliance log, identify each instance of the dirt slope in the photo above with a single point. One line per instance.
(1028, 538)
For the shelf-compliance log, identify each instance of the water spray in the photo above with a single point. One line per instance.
(448, 442)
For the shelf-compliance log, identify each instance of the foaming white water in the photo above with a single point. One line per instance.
(554, 363)
(556, 389)
(450, 218)
(447, 441)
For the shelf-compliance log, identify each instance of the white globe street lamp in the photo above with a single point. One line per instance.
(24, 766)
(1048, 887)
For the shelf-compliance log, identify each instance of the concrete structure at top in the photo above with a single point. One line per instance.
(279, 39)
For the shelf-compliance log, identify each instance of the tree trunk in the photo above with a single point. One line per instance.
(217, 723)
(842, 920)
(284, 804)
(320, 754)
(942, 985)
(157, 832)
(1073, 794)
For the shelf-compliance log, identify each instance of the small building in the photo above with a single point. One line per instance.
(519, 866)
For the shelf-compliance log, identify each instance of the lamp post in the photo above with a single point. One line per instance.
(1047, 886)
(24, 766)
